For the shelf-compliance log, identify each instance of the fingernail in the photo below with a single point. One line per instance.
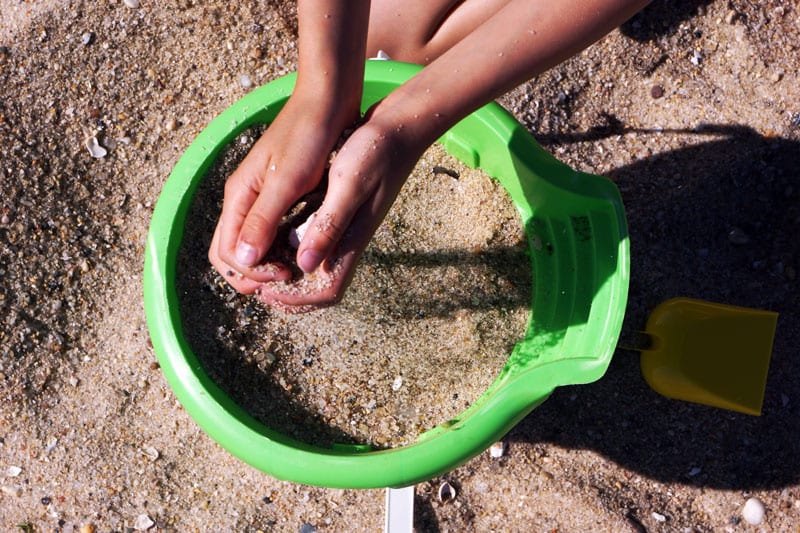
(245, 254)
(310, 260)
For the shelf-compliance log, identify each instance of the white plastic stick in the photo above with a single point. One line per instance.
(399, 510)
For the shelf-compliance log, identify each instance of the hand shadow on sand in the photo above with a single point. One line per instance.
(682, 207)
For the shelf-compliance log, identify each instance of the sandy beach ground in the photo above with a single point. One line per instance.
(692, 108)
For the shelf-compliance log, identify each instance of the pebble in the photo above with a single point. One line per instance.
(171, 124)
(87, 528)
(13, 471)
(397, 383)
(11, 491)
(658, 517)
(143, 523)
(656, 91)
(497, 450)
(753, 511)
(94, 148)
(738, 236)
(87, 37)
(307, 528)
(133, 4)
(150, 452)
(245, 81)
(4, 220)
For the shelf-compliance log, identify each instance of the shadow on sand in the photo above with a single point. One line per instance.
(682, 207)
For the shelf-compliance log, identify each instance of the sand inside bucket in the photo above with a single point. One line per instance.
(439, 299)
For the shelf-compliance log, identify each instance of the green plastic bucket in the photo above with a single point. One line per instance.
(579, 248)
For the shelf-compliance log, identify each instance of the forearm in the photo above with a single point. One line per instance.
(331, 49)
(519, 42)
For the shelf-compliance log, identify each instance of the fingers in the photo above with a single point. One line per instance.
(245, 231)
(236, 279)
(326, 286)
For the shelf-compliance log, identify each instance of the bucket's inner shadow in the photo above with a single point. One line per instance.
(440, 297)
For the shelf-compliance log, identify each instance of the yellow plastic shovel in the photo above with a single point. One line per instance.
(709, 353)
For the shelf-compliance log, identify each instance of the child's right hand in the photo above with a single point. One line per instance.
(286, 163)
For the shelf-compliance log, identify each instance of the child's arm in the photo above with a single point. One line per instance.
(514, 44)
(289, 159)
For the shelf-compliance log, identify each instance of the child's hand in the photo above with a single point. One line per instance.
(363, 182)
(286, 163)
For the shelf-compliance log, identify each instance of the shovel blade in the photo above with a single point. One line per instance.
(709, 353)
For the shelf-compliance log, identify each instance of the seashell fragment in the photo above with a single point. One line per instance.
(133, 4)
(447, 493)
(94, 148)
(497, 450)
(296, 234)
(753, 511)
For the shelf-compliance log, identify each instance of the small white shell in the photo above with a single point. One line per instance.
(753, 511)
(497, 450)
(397, 383)
(133, 4)
(296, 234)
(447, 493)
(94, 148)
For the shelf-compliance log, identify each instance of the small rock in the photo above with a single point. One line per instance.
(656, 91)
(730, 16)
(497, 450)
(738, 236)
(245, 81)
(74, 381)
(87, 528)
(87, 37)
(4, 220)
(13, 471)
(397, 383)
(143, 523)
(171, 124)
(308, 528)
(133, 4)
(11, 491)
(753, 511)
(658, 517)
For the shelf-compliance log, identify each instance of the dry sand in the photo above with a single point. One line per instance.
(693, 109)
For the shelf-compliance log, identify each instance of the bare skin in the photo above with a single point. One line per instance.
(491, 46)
